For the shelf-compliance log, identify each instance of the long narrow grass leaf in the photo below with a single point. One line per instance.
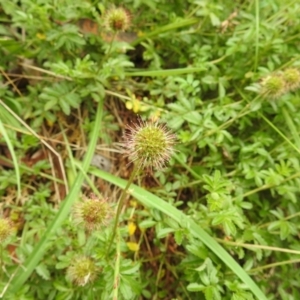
(169, 27)
(290, 123)
(40, 249)
(152, 201)
(13, 156)
(170, 72)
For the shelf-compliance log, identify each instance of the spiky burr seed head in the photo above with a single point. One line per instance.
(291, 77)
(6, 229)
(117, 19)
(82, 271)
(92, 213)
(149, 144)
(273, 86)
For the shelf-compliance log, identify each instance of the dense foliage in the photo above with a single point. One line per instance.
(220, 220)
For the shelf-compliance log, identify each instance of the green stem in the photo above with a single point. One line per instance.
(292, 127)
(188, 168)
(279, 132)
(256, 34)
(255, 246)
(120, 204)
(273, 265)
(1, 262)
(107, 54)
(117, 267)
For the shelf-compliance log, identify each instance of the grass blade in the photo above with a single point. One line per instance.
(152, 201)
(170, 72)
(167, 28)
(40, 249)
(13, 156)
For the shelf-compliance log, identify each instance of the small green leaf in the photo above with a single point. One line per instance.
(61, 287)
(178, 236)
(147, 223)
(198, 251)
(195, 287)
(125, 289)
(164, 232)
(50, 103)
(65, 107)
(43, 271)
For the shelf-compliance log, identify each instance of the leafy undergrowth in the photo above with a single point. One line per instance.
(99, 200)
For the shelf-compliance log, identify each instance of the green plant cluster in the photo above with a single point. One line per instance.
(220, 220)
